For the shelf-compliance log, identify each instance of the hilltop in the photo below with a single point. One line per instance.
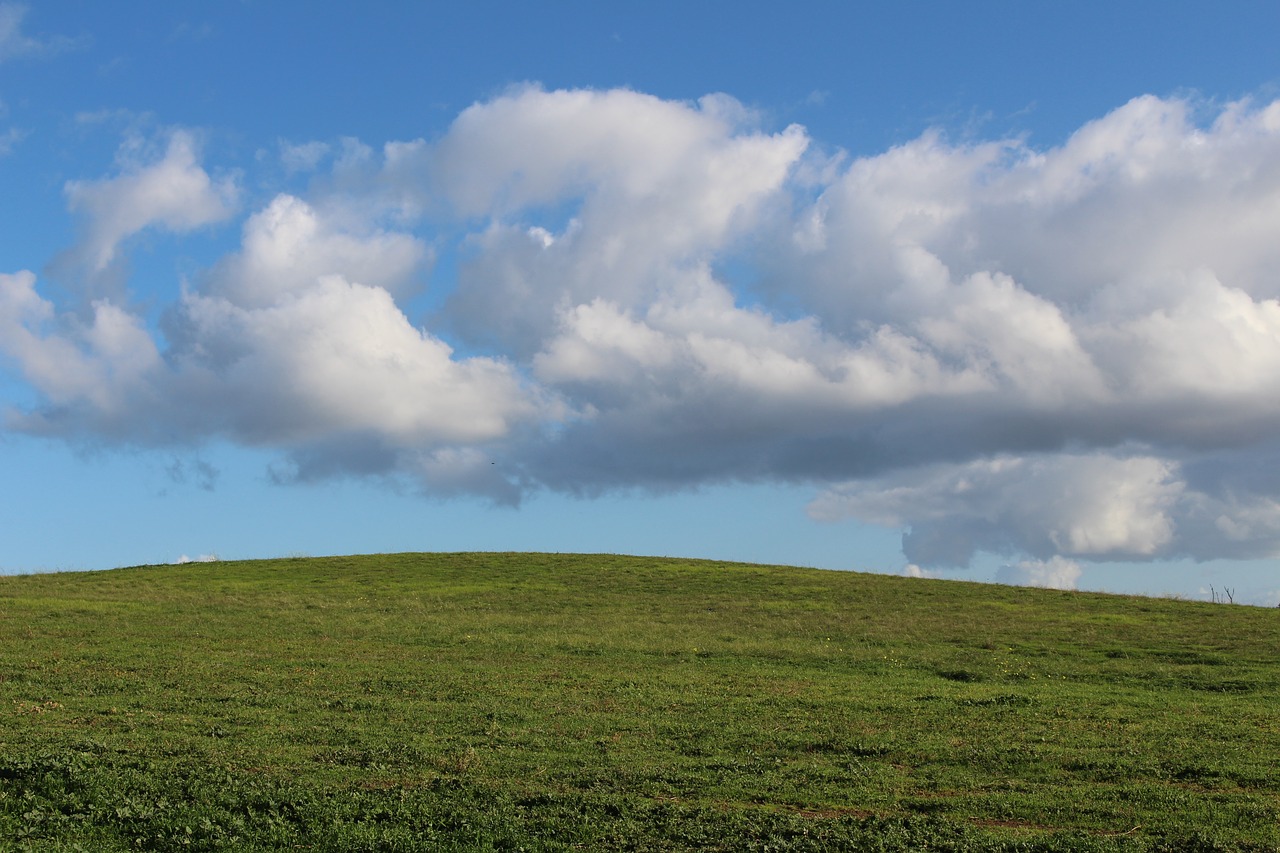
(552, 702)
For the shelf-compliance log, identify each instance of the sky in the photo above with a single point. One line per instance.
(984, 291)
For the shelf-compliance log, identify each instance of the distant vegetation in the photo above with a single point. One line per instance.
(556, 702)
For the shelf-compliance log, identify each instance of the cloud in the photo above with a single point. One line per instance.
(1099, 506)
(1054, 573)
(1096, 505)
(103, 367)
(295, 342)
(14, 44)
(911, 570)
(173, 192)
(288, 246)
(303, 157)
(1052, 354)
(632, 191)
(339, 358)
(334, 375)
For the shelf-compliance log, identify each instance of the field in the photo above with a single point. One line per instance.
(592, 702)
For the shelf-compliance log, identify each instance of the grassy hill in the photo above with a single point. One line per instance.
(552, 702)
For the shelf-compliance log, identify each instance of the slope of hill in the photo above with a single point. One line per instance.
(550, 702)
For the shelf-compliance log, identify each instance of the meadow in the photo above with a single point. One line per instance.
(594, 702)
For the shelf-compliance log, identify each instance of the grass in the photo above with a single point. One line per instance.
(557, 702)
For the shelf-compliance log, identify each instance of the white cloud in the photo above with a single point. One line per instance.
(334, 375)
(108, 363)
(1095, 505)
(1203, 339)
(338, 358)
(1054, 573)
(1098, 506)
(652, 188)
(911, 570)
(1053, 354)
(1130, 197)
(290, 245)
(174, 192)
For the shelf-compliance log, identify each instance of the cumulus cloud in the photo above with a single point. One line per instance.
(173, 192)
(102, 367)
(340, 358)
(1054, 573)
(630, 192)
(336, 376)
(289, 245)
(1059, 354)
(1096, 505)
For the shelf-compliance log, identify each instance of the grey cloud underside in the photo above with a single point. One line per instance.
(1063, 354)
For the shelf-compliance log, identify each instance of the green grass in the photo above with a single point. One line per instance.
(555, 702)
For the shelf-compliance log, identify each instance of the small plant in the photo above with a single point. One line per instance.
(1227, 596)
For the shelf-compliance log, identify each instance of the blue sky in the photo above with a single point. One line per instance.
(983, 291)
